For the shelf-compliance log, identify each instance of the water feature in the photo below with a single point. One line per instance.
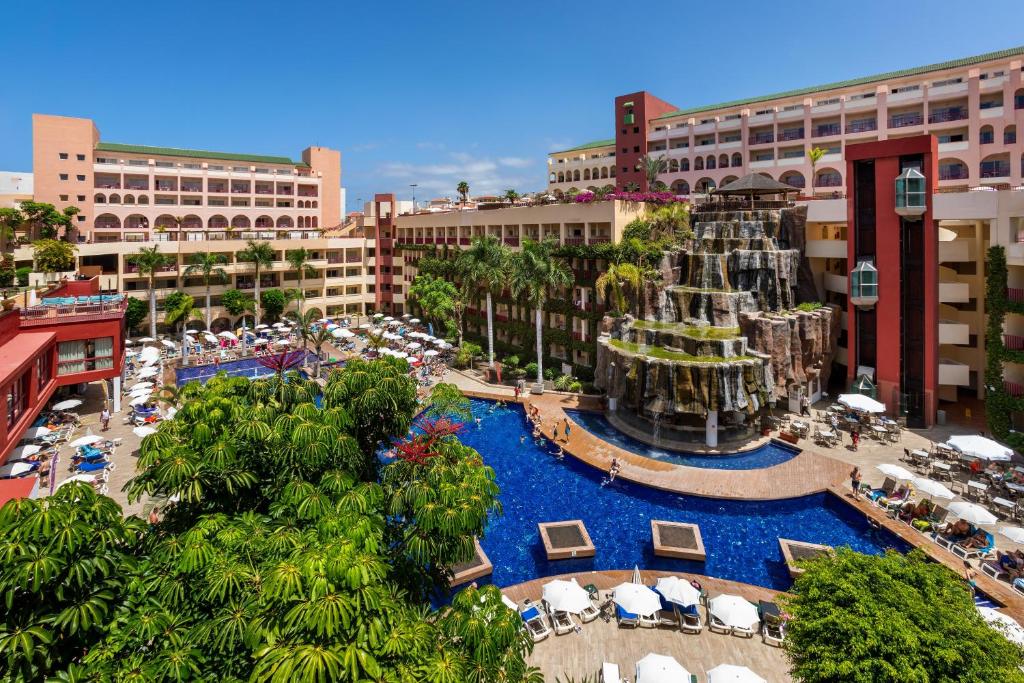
(741, 537)
(726, 339)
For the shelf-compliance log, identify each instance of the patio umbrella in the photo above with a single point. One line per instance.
(979, 447)
(896, 471)
(414, 321)
(655, 668)
(378, 315)
(324, 320)
(971, 513)
(1014, 533)
(25, 451)
(388, 318)
(143, 431)
(138, 400)
(344, 334)
(149, 354)
(169, 344)
(146, 340)
(1003, 623)
(36, 432)
(365, 326)
(733, 610)
(566, 596)
(16, 469)
(413, 345)
(262, 326)
(140, 392)
(148, 372)
(431, 352)
(282, 342)
(191, 331)
(227, 335)
(85, 440)
(131, 352)
(438, 342)
(932, 488)
(87, 478)
(674, 589)
(636, 598)
(864, 404)
(406, 315)
(141, 385)
(278, 324)
(260, 342)
(732, 673)
(399, 354)
(331, 327)
(68, 404)
(129, 341)
(210, 338)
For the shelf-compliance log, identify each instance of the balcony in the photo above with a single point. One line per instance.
(953, 173)
(1013, 342)
(34, 316)
(512, 241)
(835, 283)
(906, 120)
(862, 126)
(955, 251)
(995, 169)
(949, 114)
(1015, 294)
(573, 241)
(599, 239)
(953, 332)
(761, 139)
(826, 249)
(954, 373)
(1014, 389)
(827, 130)
(791, 134)
(954, 292)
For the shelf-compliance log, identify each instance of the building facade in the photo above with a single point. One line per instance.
(189, 201)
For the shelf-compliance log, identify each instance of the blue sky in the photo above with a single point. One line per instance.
(435, 92)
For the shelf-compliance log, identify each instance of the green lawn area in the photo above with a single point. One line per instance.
(664, 354)
(695, 331)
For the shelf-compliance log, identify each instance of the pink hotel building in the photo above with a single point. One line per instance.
(132, 196)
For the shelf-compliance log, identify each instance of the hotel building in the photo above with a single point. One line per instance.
(972, 108)
(189, 201)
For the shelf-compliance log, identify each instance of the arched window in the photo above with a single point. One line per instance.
(586, 174)
(604, 172)
(285, 222)
(240, 222)
(192, 222)
(828, 177)
(612, 172)
(1018, 99)
(986, 136)
(953, 169)
(698, 164)
(314, 203)
(673, 166)
(709, 163)
(996, 166)
(684, 165)
(264, 222)
(107, 221)
(728, 179)
(99, 199)
(704, 185)
(1010, 135)
(723, 161)
(315, 222)
(164, 222)
(143, 200)
(136, 222)
(217, 222)
(793, 179)
(595, 174)
(681, 187)
(737, 160)
(128, 199)
(114, 199)
(552, 177)
(561, 177)
(576, 175)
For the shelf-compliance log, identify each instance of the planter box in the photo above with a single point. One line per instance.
(789, 437)
(565, 540)
(676, 539)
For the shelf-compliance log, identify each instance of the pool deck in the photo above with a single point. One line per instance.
(580, 654)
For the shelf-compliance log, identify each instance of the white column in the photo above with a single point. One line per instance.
(711, 429)
(117, 395)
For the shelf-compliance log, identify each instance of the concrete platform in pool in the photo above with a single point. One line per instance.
(802, 475)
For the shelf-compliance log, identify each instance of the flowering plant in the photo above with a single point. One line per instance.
(646, 197)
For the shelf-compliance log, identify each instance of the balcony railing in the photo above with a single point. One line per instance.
(1014, 389)
(995, 169)
(953, 173)
(1015, 294)
(599, 239)
(761, 138)
(464, 240)
(792, 134)
(828, 181)
(46, 315)
(573, 241)
(1014, 342)
(944, 115)
(827, 130)
(904, 120)
(862, 126)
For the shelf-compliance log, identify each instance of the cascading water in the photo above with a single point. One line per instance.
(722, 337)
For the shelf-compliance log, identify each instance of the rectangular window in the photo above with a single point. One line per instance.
(44, 369)
(946, 81)
(137, 162)
(63, 155)
(63, 176)
(80, 157)
(63, 197)
(17, 399)
(80, 198)
(81, 218)
(165, 164)
(84, 355)
(80, 178)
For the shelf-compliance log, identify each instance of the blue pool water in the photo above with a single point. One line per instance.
(246, 367)
(766, 455)
(740, 537)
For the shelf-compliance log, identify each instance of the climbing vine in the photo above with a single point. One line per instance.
(999, 404)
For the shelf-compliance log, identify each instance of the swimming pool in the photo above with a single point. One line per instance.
(740, 537)
(766, 455)
(246, 367)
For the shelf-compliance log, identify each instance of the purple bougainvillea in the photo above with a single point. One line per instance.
(646, 197)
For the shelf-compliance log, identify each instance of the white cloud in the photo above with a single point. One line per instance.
(485, 176)
(516, 162)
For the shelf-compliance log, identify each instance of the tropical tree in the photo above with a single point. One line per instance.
(814, 155)
(534, 273)
(319, 338)
(614, 280)
(260, 255)
(53, 256)
(463, 189)
(273, 303)
(45, 221)
(178, 308)
(654, 167)
(930, 630)
(447, 400)
(135, 313)
(511, 196)
(303, 323)
(208, 266)
(237, 302)
(65, 561)
(150, 261)
(300, 259)
(631, 186)
(10, 220)
(484, 266)
(441, 302)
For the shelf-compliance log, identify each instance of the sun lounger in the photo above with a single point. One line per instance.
(887, 488)
(591, 612)
(984, 551)
(946, 542)
(94, 466)
(995, 570)
(690, 621)
(624, 618)
(716, 625)
(667, 615)
(562, 621)
(610, 673)
(535, 623)
(772, 625)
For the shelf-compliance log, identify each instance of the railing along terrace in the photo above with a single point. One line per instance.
(944, 115)
(1014, 389)
(44, 315)
(1013, 342)
(718, 203)
(1015, 294)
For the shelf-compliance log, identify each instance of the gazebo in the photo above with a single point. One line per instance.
(755, 185)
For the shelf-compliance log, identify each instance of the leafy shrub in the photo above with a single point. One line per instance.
(468, 351)
(809, 306)
(589, 388)
(511, 361)
(22, 275)
(562, 383)
(549, 373)
(575, 386)
(531, 369)
(519, 373)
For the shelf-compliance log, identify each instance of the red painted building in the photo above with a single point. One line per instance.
(51, 345)
(632, 112)
(384, 211)
(893, 321)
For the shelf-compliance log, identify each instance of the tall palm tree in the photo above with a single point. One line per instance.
(653, 167)
(534, 272)
(319, 338)
(149, 261)
(304, 321)
(299, 259)
(208, 266)
(511, 196)
(614, 280)
(484, 265)
(463, 189)
(260, 255)
(814, 155)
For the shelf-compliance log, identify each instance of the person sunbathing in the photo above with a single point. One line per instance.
(910, 512)
(978, 540)
(1012, 563)
(956, 530)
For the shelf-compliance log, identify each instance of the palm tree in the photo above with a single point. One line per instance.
(260, 255)
(208, 266)
(614, 280)
(319, 338)
(304, 321)
(653, 167)
(484, 265)
(463, 189)
(534, 272)
(180, 312)
(511, 196)
(299, 259)
(814, 154)
(149, 261)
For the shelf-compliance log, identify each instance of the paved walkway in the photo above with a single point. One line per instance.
(581, 654)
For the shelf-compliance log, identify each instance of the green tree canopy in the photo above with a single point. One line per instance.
(53, 256)
(873, 619)
(237, 302)
(273, 302)
(136, 313)
(46, 220)
(441, 301)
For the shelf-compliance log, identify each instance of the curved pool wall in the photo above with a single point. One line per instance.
(766, 455)
(740, 537)
(249, 368)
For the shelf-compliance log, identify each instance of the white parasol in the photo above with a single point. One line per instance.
(138, 400)
(141, 385)
(148, 372)
(16, 469)
(227, 335)
(636, 598)
(979, 447)
(85, 440)
(146, 340)
(676, 590)
(733, 610)
(25, 451)
(733, 673)
(68, 404)
(930, 487)
(169, 344)
(971, 513)
(862, 403)
(36, 432)
(1004, 623)
(655, 668)
(144, 431)
(896, 471)
(566, 596)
